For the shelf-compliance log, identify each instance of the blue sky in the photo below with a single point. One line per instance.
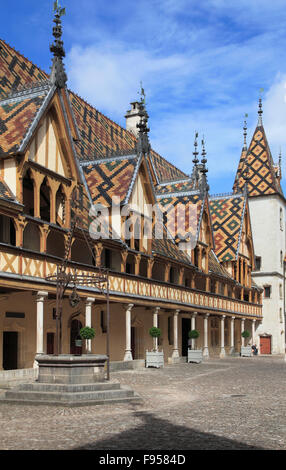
(202, 65)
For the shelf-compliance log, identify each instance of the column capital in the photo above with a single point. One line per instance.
(206, 315)
(89, 300)
(156, 310)
(177, 311)
(129, 307)
(194, 314)
(41, 295)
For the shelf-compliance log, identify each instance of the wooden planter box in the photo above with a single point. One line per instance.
(195, 355)
(246, 351)
(154, 359)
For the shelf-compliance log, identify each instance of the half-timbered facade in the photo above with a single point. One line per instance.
(55, 148)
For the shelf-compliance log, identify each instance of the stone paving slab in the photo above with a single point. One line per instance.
(231, 403)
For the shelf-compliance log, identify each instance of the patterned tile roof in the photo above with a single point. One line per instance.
(182, 214)
(257, 165)
(99, 135)
(227, 215)
(215, 266)
(5, 192)
(110, 177)
(16, 70)
(16, 117)
(179, 186)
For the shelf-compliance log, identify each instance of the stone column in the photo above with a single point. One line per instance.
(155, 323)
(193, 327)
(253, 331)
(222, 350)
(88, 305)
(232, 335)
(242, 329)
(175, 353)
(128, 352)
(41, 296)
(206, 348)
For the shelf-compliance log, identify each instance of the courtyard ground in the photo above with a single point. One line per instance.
(222, 404)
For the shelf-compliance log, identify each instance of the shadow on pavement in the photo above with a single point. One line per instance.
(156, 433)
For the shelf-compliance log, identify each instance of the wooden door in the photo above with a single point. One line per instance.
(265, 344)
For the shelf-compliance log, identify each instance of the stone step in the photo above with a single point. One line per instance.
(70, 388)
(60, 397)
(136, 399)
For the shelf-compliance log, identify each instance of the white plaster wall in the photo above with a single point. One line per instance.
(269, 241)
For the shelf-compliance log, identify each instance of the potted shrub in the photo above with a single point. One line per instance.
(194, 355)
(155, 358)
(86, 333)
(246, 350)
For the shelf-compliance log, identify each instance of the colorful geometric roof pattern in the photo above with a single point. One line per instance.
(16, 117)
(169, 249)
(227, 215)
(16, 70)
(258, 167)
(215, 267)
(165, 170)
(181, 214)
(180, 186)
(110, 177)
(99, 134)
(5, 192)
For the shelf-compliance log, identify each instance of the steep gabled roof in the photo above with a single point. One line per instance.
(257, 166)
(110, 177)
(227, 214)
(99, 135)
(18, 112)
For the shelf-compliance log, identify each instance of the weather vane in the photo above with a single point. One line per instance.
(58, 9)
(143, 95)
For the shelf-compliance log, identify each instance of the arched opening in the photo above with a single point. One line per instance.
(28, 194)
(7, 230)
(56, 244)
(60, 207)
(111, 259)
(31, 237)
(158, 271)
(130, 265)
(143, 267)
(80, 252)
(45, 206)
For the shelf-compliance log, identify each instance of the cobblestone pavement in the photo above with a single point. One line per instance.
(232, 403)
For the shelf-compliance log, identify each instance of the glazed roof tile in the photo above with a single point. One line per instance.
(258, 167)
(227, 215)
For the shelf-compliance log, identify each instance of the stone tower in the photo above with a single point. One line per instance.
(267, 210)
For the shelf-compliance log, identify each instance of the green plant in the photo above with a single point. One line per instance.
(87, 332)
(245, 334)
(155, 332)
(194, 334)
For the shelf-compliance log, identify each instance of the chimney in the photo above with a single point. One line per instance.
(133, 118)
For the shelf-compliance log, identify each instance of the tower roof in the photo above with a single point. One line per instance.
(256, 166)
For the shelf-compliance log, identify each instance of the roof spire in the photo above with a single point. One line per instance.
(58, 75)
(195, 161)
(260, 111)
(143, 144)
(204, 170)
(245, 135)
